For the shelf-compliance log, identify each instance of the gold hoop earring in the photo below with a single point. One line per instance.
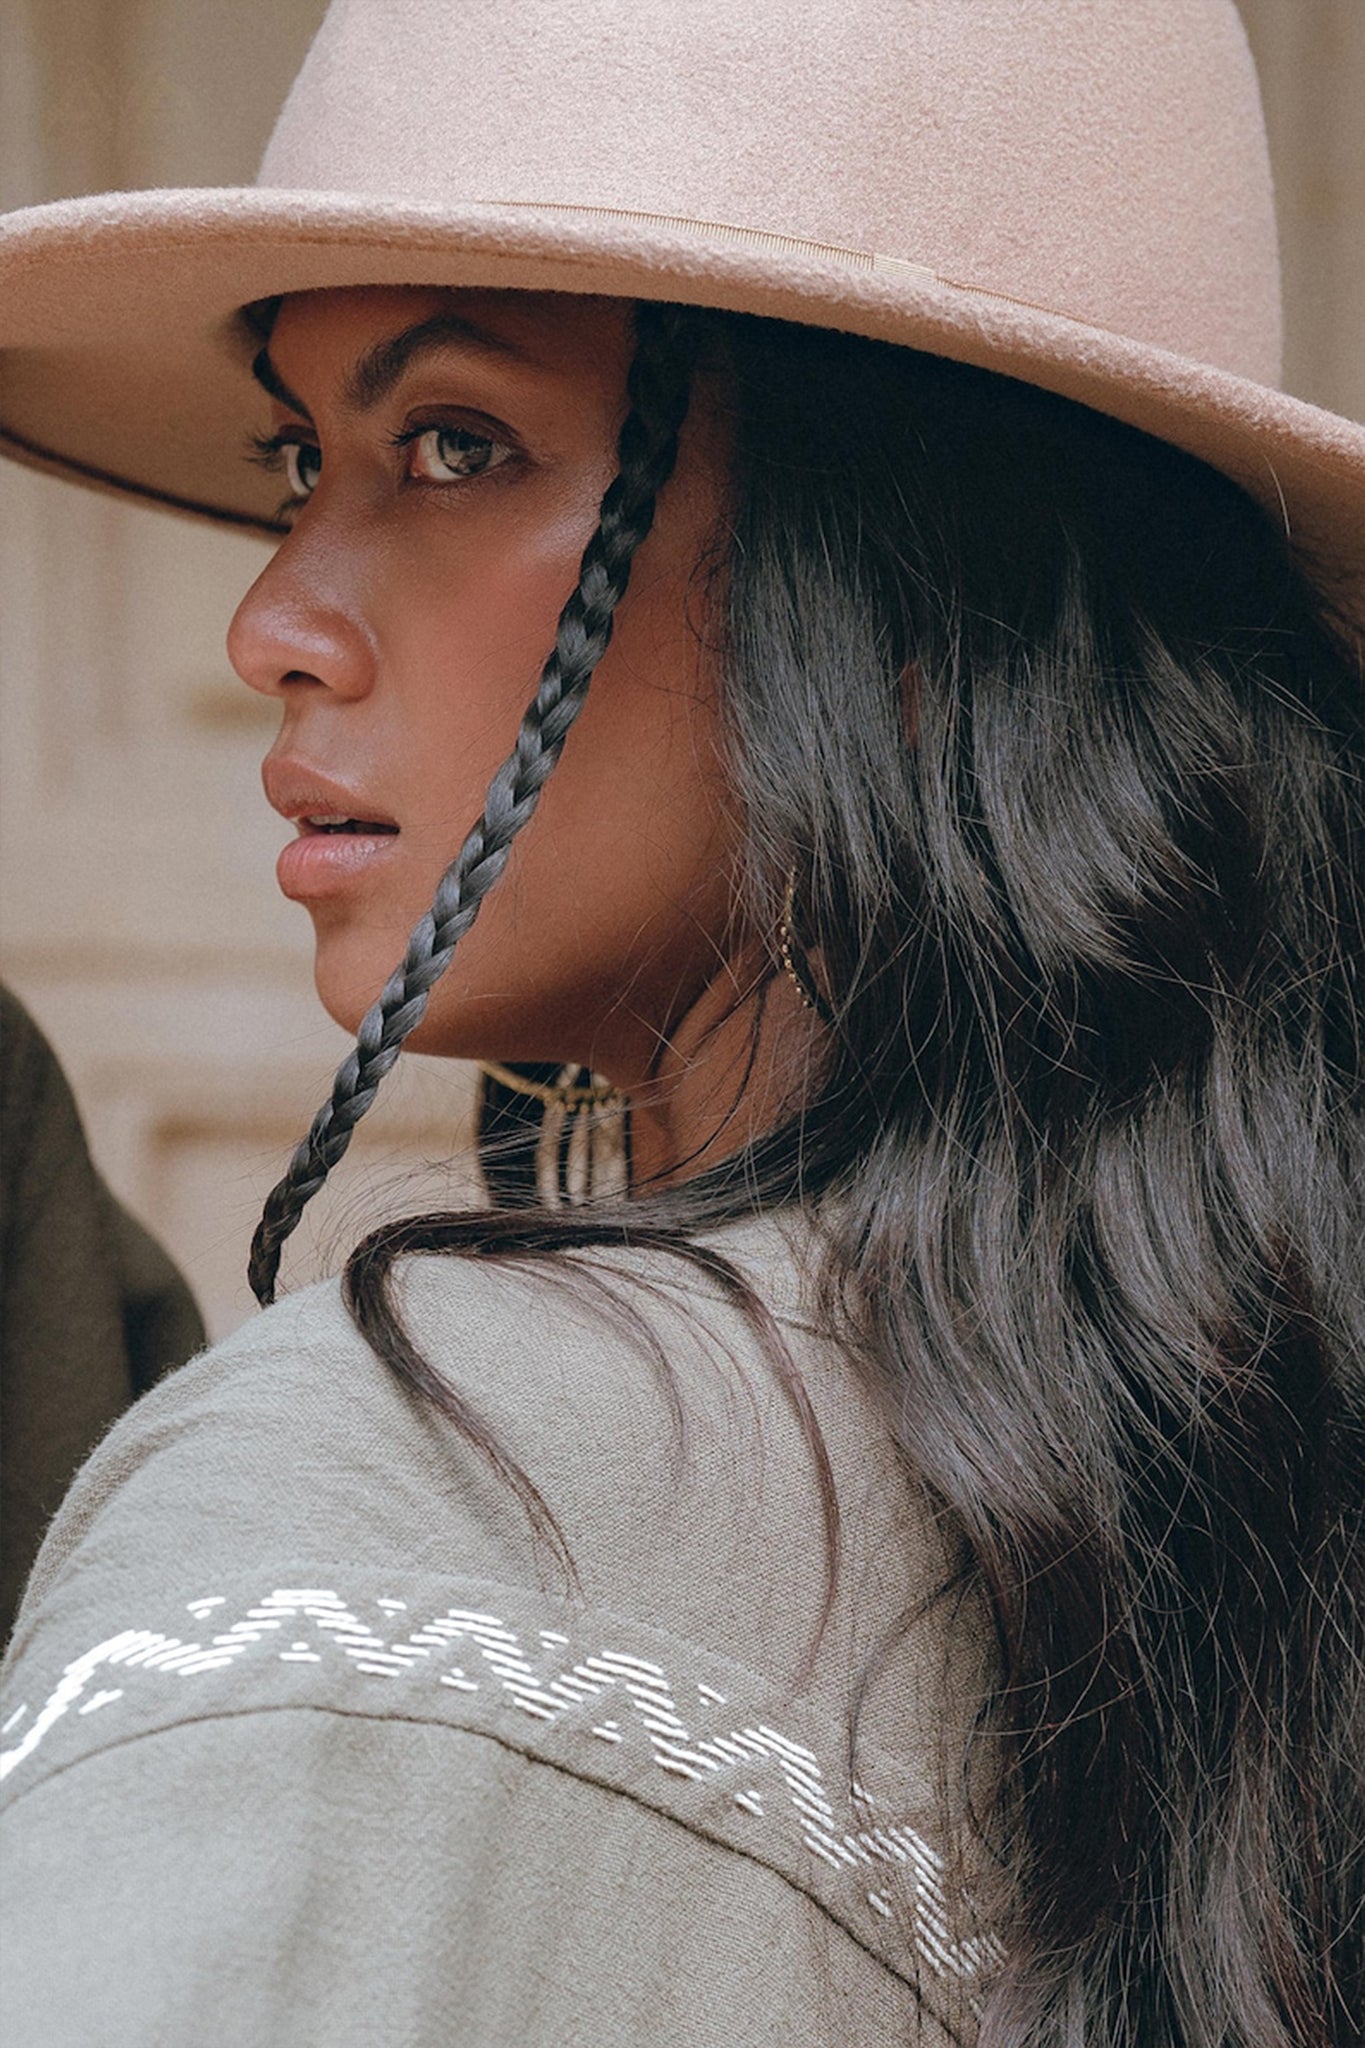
(581, 1151)
(794, 960)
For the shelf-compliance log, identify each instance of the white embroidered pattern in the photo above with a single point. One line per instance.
(777, 1781)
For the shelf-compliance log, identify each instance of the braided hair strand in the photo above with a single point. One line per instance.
(658, 390)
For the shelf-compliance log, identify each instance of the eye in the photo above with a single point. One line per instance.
(300, 462)
(302, 466)
(442, 455)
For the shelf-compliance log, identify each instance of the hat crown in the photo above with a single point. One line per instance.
(1101, 159)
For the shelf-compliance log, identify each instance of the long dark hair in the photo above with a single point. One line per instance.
(1067, 760)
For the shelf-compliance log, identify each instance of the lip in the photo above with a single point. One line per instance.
(319, 863)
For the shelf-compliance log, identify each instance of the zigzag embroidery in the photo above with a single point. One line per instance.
(776, 1780)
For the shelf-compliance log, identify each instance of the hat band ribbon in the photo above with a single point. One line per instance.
(763, 238)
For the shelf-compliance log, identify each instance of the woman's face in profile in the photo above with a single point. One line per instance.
(445, 454)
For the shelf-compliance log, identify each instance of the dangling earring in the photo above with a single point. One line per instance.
(582, 1150)
(794, 960)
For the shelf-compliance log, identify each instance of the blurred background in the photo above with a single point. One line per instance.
(139, 920)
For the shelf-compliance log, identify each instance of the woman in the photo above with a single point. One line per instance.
(894, 1570)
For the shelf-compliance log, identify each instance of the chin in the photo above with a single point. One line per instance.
(465, 1019)
(346, 990)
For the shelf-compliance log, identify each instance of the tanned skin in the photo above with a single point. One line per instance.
(446, 454)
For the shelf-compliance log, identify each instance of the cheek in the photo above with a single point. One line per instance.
(468, 620)
(634, 850)
(635, 839)
(617, 896)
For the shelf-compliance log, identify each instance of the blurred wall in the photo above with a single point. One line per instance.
(1311, 57)
(139, 918)
(138, 914)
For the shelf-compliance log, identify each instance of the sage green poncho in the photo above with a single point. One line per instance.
(307, 1739)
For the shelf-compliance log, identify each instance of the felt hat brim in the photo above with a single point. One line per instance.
(124, 362)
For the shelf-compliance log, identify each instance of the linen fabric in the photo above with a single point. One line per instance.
(1072, 192)
(306, 1738)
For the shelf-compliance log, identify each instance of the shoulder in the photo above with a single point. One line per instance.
(630, 1393)
(284, 1537)
(664, 1443)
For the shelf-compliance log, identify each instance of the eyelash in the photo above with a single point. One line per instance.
(267, 451)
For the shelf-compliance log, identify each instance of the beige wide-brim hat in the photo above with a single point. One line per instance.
(1071, 192)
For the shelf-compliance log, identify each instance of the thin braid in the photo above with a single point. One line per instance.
(657, 388)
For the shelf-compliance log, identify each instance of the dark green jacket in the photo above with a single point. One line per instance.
(92, 1311)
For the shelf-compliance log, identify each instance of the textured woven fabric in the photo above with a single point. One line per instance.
(306, 1738)
(1073, 192)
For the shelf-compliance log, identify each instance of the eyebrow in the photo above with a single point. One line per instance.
(381, 366)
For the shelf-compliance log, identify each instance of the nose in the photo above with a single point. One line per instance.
(295, 629)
